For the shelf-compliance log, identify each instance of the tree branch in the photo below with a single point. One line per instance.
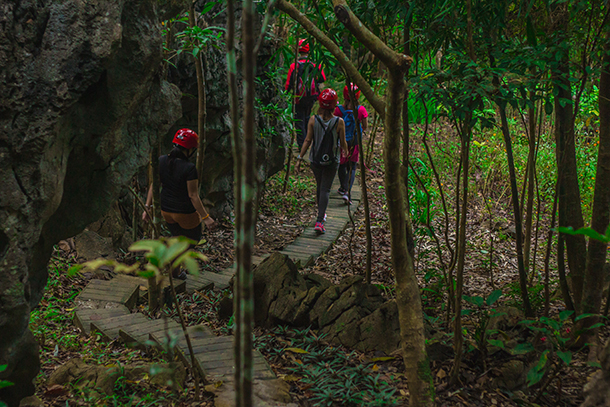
(376, 102)
(391, 58)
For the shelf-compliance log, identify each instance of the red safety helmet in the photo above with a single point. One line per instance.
(186, 138)
(328, 99)
(354, 89)
(303, 46)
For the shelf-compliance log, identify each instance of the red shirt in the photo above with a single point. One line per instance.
(313, 88)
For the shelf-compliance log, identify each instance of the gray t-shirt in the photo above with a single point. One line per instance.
(319, 129)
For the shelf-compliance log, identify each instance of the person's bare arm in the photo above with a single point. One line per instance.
(307, 142)
(193, 190)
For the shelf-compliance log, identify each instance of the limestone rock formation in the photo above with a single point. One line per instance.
(352, 313)
(82, 100)
(271, 132)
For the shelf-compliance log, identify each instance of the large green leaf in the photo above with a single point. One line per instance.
(589, 232)
(522, 349)
(173, 251)
(566, 356)
(563, 315)
(493, 297)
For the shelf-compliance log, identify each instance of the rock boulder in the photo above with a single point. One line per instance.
(82, 100)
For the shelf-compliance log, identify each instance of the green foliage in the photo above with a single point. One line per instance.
(163, 255)
(481, 314)
(300, 193)
(4, 383)
(333, 376)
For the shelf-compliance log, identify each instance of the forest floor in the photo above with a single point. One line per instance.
(376, 378)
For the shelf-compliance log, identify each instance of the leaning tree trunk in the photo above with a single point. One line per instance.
(417, 367)
(596, 255)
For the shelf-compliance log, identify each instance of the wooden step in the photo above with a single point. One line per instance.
(221, 281)
(198, 282)
(222, 367)
(199, 334)
(138, 335)
(179, 285)
(109, 328)
(111, 291)
(84, 317)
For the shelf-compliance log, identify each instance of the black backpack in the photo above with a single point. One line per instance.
(306, 74)
(326, 153)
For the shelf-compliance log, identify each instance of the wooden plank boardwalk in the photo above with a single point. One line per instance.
(104, 306)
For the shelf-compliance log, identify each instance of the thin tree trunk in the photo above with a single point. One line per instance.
(531, 169)
(237, 191)
(156, 183)
(515, 198)
(294, 129)
(547, 258)
(458, 339)
(248, 224)
(201, 99)
(594, 274)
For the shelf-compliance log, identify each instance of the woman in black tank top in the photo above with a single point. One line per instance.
(318, 129)
(181, 206)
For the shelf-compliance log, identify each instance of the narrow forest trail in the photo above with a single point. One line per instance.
(107, 306)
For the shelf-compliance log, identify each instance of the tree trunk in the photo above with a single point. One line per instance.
(201, 99)
(570, 211)
(515, 198)
(458, 339)
(248, 223)
(417, 367)
(531, 168)
(596, 254)
(407, 290)
(237, 173)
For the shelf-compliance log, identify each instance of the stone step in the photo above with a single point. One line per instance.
(109, 328)
(84, 317)
(111, 291)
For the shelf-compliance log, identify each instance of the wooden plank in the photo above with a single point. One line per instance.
(133, 337)
(109, 291)
(84, 317)
(109, 328)
(179, 285)
(217, 277)
(198, 283)
(315, 250)
(138, 334)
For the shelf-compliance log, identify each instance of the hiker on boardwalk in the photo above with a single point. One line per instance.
(327, 133)
(181, 206)
(348, 164)
(305, 79)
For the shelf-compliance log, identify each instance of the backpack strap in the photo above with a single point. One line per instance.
(331, 126)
